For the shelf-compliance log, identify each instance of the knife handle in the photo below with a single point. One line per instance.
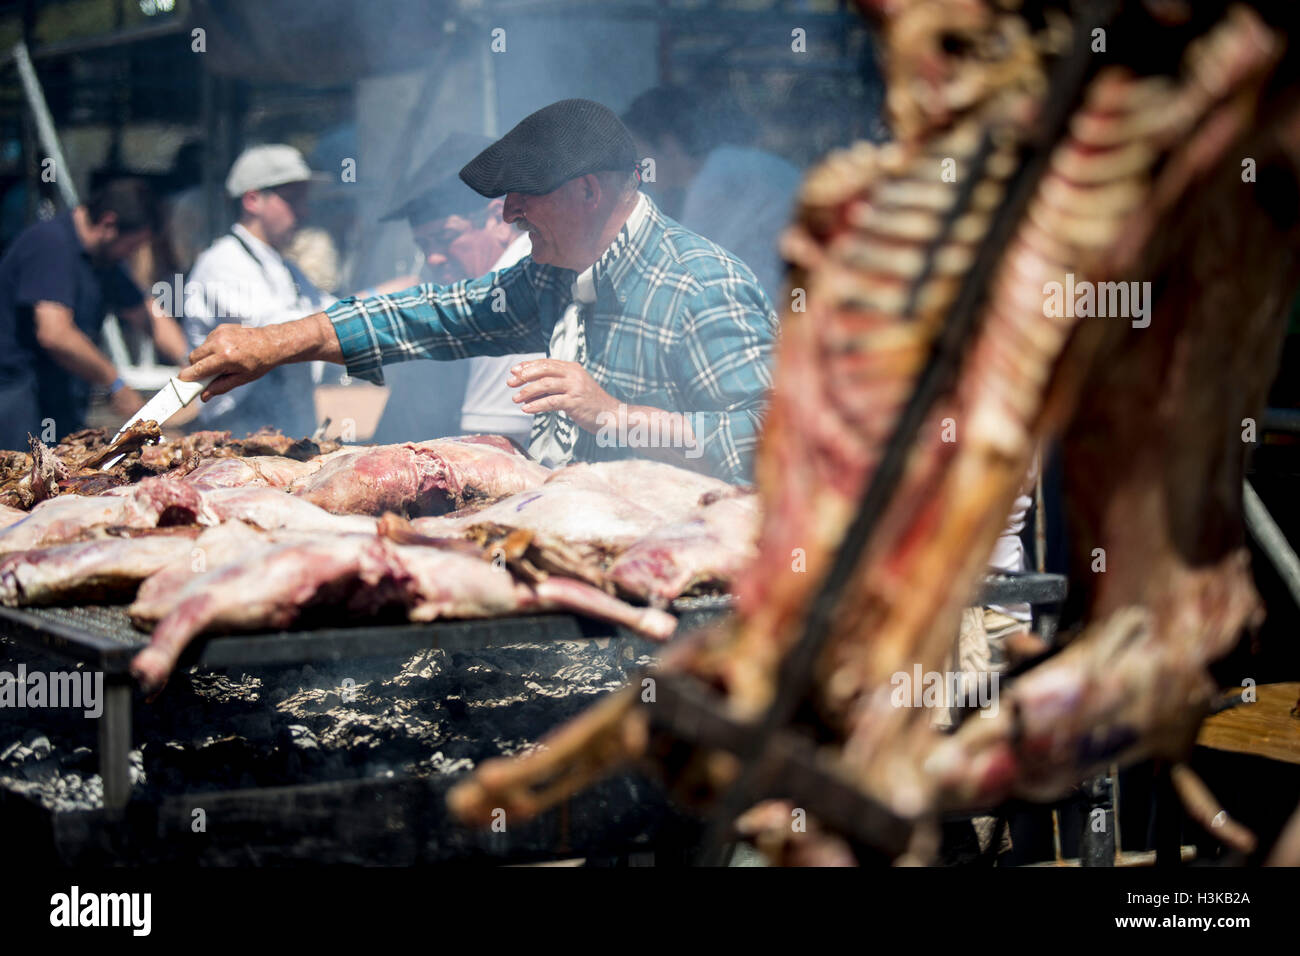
(188, 391)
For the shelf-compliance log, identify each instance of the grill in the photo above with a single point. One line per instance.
(284, 824)
(621, 815)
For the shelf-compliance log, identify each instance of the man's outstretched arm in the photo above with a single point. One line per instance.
(493, 315)
(240, 355)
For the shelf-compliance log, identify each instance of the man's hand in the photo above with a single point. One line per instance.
(233, 353)
(126, 402)
(551, 385)
(239, 355)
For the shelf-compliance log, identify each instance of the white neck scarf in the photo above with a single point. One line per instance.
(554, 434)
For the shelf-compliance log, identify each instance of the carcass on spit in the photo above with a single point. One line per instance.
(1142, 182)
(421, 478)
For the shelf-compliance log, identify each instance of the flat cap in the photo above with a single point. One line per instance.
(435, 190)
(548, 148)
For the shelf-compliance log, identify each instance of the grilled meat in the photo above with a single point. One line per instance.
(154, 502)
(706, 552)
(267, 471)
(10, 516)
(101, 570)
(431, 477)
(360, 576)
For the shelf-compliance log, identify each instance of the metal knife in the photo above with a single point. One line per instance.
(169, 400)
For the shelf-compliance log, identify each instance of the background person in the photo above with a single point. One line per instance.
(460, 237)
(58, 281)
(710, 170)
(245, 279)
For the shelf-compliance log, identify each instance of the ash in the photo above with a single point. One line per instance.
(437, 712)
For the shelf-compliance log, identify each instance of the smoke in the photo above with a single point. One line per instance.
(801, 83)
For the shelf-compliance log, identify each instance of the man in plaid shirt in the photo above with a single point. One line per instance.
(658, 341)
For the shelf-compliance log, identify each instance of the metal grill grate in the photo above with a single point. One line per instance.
(105, 638)
(110, 623)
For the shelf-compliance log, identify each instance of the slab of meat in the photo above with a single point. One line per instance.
(64, 469)
(349, 576)
(169, 453)
(232, 542)
(73, 465)
(581, 521)
(154, 502)
(597, 523)
(9, 516)
(14, 469)
(47, 471)
(271, 509)
(671, 492)
(271, 471)
(97, 571)
(271, 591)
(422, 478)
(271, 442)
(704, 552)
(201, 445)
(129, 443)
(444, 584)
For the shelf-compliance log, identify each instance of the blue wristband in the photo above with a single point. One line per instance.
(117, 386)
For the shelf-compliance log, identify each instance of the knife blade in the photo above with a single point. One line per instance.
(169, 400)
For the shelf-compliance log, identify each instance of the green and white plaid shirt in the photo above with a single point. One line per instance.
(678, 324)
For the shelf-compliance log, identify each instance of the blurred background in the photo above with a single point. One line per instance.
(131, 88)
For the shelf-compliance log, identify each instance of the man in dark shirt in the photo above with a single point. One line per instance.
(57, 282)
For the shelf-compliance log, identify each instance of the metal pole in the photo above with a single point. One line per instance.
(1097, 843)
(115, 744)
(489, 91)
(1272, 541)
(45, 125)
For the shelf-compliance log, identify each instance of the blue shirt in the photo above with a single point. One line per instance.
(47, 263)
(678, 324)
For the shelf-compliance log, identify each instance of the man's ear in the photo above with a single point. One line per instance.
(251, 202)
(107, 224)
(591, 190)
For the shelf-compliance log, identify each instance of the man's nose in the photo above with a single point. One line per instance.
(514, 207)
